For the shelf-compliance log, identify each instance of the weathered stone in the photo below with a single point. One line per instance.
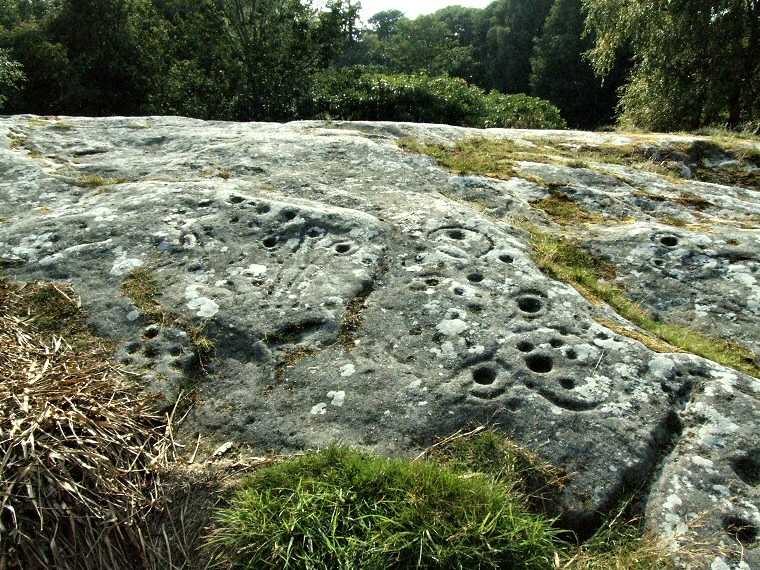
(360, 293)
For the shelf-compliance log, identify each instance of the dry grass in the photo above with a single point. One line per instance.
(80, 445)
(564, 210)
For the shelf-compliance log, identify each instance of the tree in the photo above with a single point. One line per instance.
(507, 44)
(197, 80)
(695, 62)
(10, 76)
(561, 74)
(272, 58)
(336, 32)
(385, 23)
(424, 44)
(115, 51)
(47, 70)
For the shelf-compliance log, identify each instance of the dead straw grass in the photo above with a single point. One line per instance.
(80, 446)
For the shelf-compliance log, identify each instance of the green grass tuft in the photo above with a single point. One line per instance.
(564, 210)
(486, 452)
(466, 505)
(343, 508)
(483, 156)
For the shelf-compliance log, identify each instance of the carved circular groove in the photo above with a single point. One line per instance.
(747, 467)
(567, 383)
(529, 304)
(458, 291)
(669, 241)
(742, 530)
(525, 346)
(432, 281)
(289, 214)
(484, 375)
(506, 258)
(475, 277)
(151, 331)
(263, 208)
(539, 363)
(343, 247)
(270, 241)
(236, 199)
(461, 243)
(571, 354)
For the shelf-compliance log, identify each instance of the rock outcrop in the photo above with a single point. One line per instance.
(357, 292)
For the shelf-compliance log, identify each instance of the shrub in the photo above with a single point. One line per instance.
(360, 93)
(519, 111)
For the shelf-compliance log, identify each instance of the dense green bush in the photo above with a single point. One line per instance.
(360, 93)
(519, 111)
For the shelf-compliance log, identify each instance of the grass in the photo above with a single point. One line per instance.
(79, 441)
(95, 181)
(17, 141)
(488, 453)
(483, 156)
(564, 210)
(497, 158)
(464, 506)
(353, 319)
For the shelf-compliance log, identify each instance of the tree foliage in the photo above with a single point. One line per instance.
(267, 60)
(385, 23)
(426, 44)
(561, 74)
(696, 62)
(10, 76)
(512, 26)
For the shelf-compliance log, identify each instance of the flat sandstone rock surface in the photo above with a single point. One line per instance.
(361, 293)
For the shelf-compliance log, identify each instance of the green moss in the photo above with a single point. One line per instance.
(483, 156)
(95, 181)
(17, 141)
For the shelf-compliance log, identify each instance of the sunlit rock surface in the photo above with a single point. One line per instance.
(360, 293)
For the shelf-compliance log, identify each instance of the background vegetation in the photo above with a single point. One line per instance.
(666, 66)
